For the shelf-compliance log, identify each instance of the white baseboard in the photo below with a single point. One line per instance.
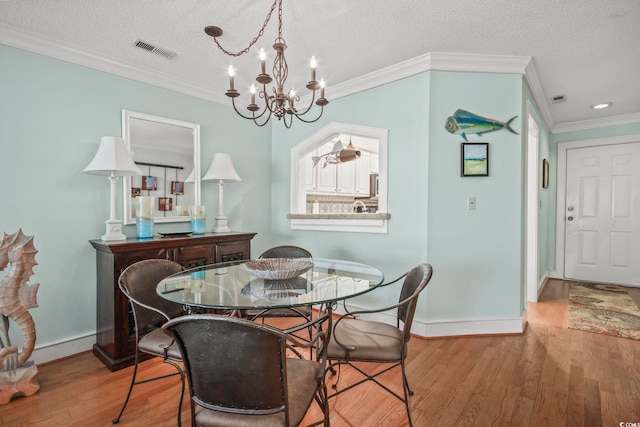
(453, 327)
(63, 349)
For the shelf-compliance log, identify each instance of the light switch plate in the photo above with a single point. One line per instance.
(471, 203)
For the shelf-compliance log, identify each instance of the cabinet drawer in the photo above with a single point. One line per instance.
(233, 251)
(194, 256)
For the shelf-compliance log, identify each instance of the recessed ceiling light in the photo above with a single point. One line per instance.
(601, 106)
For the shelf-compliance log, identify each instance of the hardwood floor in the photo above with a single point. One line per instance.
(548, 376)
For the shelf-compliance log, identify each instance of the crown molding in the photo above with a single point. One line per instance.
(18, 38)
(435, 61)
(538, 94)
(597, 123)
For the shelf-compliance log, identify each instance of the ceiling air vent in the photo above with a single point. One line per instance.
(165, 53)
(558, 99)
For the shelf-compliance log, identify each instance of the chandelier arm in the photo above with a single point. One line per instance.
(233, 102)
(308, 108)
(284, 119)
(260, 33)
(310, 121)
(254, 118)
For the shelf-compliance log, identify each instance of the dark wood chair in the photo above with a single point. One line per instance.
(239, 373)
(354, 340)
(150, 311)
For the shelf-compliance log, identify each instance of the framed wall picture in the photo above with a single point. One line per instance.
(177, 187)
(165, 203)
(545, 173)
(474, 159)
(149, 183)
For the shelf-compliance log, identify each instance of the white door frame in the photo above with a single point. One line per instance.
(531, 258)
(561, 188)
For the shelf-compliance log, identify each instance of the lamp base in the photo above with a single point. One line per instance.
(114, 230)
(222, 225)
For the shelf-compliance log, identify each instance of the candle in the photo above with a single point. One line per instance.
(263, 56)
(232, 72)
(252, 89)
(313, 64)
(321, 88)
(292, 95)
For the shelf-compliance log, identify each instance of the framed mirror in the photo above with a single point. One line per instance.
(168, 153)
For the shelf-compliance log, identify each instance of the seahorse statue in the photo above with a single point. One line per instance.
(17, 297)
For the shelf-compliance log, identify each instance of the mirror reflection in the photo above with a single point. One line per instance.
(168, 153)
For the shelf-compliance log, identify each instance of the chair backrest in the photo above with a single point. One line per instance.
(138, 282)
(415, 281)
(286, 252)
(233, 365)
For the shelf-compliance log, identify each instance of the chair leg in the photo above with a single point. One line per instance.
(180, 372)
(372, 377)
(116, 420)
(407, 392)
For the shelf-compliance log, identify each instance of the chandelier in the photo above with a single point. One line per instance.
(278, 103)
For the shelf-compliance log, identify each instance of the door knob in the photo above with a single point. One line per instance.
(570, 218)
(570, 208)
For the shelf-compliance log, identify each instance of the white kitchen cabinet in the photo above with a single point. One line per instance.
(326, 176)
(361, 175)
(375, 161)
(311, 176)
(346, 177)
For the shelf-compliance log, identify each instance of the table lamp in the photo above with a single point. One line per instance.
(221, 170)
(113, 159)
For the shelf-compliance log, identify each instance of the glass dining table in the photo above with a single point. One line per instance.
(250, 285)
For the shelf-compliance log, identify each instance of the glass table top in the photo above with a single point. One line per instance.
(233, 285)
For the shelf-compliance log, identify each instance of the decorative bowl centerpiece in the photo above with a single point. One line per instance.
(277, 268)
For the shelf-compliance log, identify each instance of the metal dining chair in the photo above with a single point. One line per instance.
(150, 311)
(354, 340)
(240, 375)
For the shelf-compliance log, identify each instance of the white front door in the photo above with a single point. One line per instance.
(602, 214)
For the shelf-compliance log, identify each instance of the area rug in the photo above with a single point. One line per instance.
(603, 309)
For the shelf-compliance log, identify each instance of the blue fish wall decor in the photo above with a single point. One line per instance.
(465, 123)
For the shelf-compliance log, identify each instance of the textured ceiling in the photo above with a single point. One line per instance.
(587, 50)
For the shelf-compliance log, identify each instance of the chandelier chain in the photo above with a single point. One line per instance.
(260, 33)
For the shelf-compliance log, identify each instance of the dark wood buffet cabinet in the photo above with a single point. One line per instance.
(115, 339)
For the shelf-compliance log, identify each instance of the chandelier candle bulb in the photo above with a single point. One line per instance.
(263, 57)
(231, 74)
(252, 89)
(314, 64)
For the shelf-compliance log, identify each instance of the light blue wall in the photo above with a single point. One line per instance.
(52, 116)
(401, 107)
(477, 254)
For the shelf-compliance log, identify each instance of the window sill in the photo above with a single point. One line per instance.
(356, 222)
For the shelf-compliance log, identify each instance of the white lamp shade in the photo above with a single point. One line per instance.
(112, 156)
(221, 169)
(191, 177)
